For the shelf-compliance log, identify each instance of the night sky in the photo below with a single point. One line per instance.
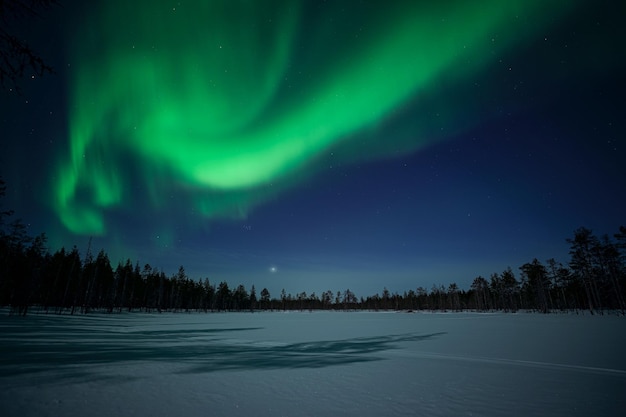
(321, 145)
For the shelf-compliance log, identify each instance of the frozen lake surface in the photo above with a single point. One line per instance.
(313, 364)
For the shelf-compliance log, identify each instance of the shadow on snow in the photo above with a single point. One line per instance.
(67, 351)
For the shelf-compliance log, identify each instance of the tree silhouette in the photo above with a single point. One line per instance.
(16, 56)
(265, 299)
(537, 284)
(582, 264)
(66, 283)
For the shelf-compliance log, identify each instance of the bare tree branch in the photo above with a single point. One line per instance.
(17, 58)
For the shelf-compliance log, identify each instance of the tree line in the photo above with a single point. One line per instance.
(594, 279)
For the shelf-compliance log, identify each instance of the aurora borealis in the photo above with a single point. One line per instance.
(199, 129)
(209, 94)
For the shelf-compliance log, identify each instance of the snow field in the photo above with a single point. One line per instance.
(311, 364)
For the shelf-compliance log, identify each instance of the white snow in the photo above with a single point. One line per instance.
(313, 364)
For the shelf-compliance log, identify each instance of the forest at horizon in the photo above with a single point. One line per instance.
(594, 279)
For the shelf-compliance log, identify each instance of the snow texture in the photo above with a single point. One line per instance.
(312, 364)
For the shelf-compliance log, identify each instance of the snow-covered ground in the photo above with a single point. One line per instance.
(313, 364)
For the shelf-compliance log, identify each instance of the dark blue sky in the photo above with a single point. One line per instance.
(513, 157)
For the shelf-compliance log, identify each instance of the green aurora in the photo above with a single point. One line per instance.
(222, 105)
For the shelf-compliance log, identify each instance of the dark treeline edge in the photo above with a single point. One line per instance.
(594, 279)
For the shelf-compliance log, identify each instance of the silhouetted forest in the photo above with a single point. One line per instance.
(64, 282)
